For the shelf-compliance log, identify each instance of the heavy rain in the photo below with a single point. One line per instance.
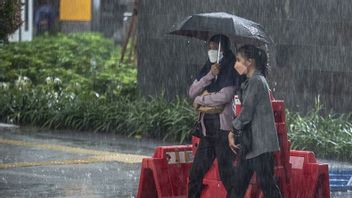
(188, 98)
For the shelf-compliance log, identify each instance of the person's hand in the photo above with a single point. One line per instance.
(196, 105)
(215, 69)
(233, 146)
(205, 93)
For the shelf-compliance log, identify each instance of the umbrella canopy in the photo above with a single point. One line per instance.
(240, 30)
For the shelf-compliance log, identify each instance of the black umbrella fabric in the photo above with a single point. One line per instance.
(203, 26)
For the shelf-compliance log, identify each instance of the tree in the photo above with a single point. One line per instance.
(10, 18)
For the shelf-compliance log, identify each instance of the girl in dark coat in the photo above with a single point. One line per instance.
(256, 112)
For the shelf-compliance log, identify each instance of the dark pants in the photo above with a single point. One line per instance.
(263, 166)
(213, 145)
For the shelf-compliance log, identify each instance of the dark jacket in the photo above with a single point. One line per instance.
(257, 111)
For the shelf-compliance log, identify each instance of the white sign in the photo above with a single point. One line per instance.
(178, 157)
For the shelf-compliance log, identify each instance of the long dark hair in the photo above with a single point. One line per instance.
(259, 55)
(225, 43)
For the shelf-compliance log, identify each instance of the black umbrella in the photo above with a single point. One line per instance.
(205, 25)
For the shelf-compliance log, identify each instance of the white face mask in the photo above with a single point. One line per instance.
(241, 69)
(213, 55)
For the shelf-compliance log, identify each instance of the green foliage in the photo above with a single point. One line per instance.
(84, 59)
(75, 82)
(10, 17)
(328, 136)
(43, 106)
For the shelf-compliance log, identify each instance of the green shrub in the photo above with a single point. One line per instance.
(328, 136)
(44, 107)
(86, 59)
(10, 17)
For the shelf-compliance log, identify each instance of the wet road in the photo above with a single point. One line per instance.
(61, 164)
(38, 163)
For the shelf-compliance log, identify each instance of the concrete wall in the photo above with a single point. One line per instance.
(314, 40)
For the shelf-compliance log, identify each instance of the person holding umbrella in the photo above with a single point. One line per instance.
(256, 112)
(214, 86)
(219, 84)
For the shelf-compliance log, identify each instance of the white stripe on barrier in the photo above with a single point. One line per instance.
(178, 157)
(349, 183)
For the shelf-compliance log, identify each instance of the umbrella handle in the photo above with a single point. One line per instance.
(218, 60)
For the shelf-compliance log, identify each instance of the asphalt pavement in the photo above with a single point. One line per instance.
(38, 163)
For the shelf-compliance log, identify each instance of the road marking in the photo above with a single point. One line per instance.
(98, 156)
